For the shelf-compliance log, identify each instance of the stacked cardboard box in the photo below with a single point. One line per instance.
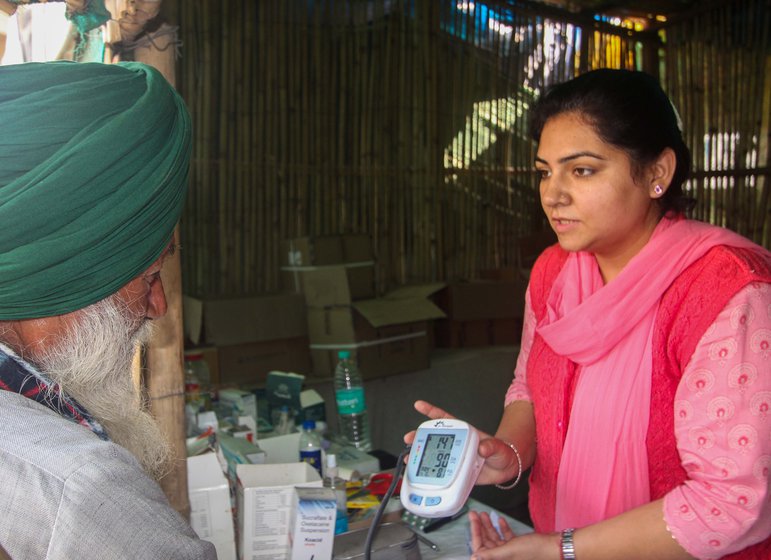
(386, 335)
(307, 260)
(244, 338)
(481, 313)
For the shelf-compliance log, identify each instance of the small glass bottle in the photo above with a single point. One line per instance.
(283, 420)
(333, 481)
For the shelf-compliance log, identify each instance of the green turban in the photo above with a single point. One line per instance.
(93, 175)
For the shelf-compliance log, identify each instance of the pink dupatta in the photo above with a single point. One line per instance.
(606, 330)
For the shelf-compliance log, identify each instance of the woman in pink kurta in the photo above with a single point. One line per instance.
(720, 441)
(642, 392)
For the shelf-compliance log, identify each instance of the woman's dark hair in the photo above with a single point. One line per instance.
(628, 110)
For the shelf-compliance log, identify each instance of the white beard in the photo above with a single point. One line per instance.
(92, 363)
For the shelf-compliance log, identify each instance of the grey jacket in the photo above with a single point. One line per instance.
(65, 493)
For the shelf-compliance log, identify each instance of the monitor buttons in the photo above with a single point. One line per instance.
(433, 500)
(416, 499)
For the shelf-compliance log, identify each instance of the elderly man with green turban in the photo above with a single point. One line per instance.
(93, 174)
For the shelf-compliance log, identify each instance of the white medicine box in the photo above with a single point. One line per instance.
(312, 530)
(266, 503)
(211, 515)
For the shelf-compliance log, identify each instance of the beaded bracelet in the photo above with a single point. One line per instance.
(519, 473)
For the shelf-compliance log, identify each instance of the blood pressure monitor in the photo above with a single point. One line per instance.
(442, 468)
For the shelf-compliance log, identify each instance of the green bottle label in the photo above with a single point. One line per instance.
(350, 401)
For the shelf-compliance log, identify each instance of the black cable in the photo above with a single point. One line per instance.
(373, 528)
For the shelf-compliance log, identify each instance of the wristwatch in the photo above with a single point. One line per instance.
(567, 546)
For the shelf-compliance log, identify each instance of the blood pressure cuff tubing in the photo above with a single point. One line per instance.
(93, 176)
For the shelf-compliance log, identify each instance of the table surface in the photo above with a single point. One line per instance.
(453, 539)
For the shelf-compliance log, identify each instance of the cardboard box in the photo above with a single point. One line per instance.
(247, 365)
(211, 515)
(312, 530)
(362, 321)
(462, 334)
(227, 321)
(283, 388)
(483, 332)
(331, 285)
(385, 335)
(505, 274)
(312, 406)
(244, 338)
(470, 301)
(209, 354)
(235, 403)
(265, 497)
(506, 332)
(352, 459)
(281, 449)
(326, 250)
(329, 270)
(239, 451)
(312, 251)
(401, 349)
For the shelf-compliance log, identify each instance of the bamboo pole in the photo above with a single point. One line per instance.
(305, 114)
(259, 149)
(761, 225)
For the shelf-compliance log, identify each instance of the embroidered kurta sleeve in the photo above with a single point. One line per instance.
(723, 432)
(518, 390)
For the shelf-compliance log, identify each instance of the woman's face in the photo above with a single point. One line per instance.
(590, 195)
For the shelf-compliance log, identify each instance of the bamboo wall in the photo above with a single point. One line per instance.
(407, 121)
(718, 71)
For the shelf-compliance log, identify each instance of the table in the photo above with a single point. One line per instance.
(453, 539)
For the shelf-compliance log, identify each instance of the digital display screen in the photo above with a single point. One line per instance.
(436, 455)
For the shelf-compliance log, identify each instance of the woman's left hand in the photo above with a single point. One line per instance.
(500, 461)
(484, 535)
(488, 544)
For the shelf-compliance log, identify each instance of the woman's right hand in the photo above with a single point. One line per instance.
(500, 461)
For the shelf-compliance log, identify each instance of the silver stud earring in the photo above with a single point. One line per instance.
(658, 190)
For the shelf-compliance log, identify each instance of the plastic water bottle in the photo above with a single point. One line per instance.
(333, 481)
(310, 445)
(351, 404)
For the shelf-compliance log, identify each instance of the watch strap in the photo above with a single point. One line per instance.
(567, 546)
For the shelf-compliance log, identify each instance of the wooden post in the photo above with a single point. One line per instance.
(164, 375)
(7, 7)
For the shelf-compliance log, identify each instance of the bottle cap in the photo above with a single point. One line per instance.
(309, 425)
(343, 354)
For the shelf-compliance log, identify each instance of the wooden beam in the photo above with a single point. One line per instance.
(164, 377)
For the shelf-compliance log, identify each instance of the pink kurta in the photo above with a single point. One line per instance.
(722, 428)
